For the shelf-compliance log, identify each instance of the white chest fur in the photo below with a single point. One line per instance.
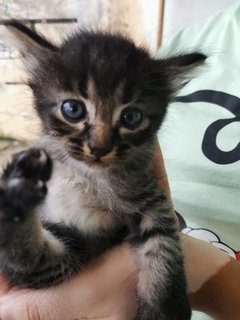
(74, 201)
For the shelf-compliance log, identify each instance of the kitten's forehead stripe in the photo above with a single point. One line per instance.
(105, 59)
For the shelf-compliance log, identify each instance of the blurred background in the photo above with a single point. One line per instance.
(149, 22)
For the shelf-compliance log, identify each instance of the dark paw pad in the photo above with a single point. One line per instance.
(24, 184)
(34, 164)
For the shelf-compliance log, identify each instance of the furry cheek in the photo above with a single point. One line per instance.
(86, 151)
(110, 157)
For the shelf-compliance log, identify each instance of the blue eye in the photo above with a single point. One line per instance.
(131, 117)
(73, 110)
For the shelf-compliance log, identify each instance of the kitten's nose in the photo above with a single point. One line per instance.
(97, 151)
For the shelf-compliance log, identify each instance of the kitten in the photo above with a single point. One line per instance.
(101, 101)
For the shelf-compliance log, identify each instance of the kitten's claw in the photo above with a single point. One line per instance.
(23, 184)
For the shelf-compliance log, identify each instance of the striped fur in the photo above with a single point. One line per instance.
(102, 189)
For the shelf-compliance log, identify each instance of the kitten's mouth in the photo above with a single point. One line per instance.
(98, 162)
(95, 161)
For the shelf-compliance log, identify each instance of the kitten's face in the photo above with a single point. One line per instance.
(99, 95)
(94, 96)
(100, 130)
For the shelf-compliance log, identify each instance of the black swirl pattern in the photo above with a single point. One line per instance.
(209, 144)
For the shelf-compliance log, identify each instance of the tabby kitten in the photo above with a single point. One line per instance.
(101, 101)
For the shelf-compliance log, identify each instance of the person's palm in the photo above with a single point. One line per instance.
(106, 290)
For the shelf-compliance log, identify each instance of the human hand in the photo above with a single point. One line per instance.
(104, 291)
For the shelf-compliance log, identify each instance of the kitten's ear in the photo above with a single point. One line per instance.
(30, 44)
(185, 61)
(183, 68)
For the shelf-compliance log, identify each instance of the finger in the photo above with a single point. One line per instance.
(4, 286)
(160, 170)
(161, 174)
(27, 305)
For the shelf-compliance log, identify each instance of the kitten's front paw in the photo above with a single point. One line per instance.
(33, 164)
(23, 185)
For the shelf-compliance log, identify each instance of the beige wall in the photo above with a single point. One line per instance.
(179, 14)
